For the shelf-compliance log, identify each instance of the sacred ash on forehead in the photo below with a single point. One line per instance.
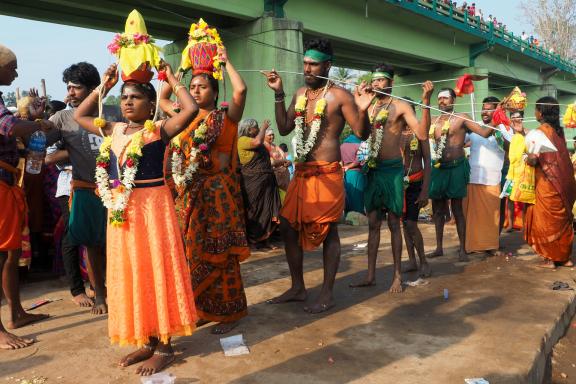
(444, 94)
(6, 56)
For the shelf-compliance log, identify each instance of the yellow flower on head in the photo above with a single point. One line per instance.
(301, 103)
(320, 107)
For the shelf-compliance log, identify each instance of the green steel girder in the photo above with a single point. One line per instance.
(478, 49)
(430, 9)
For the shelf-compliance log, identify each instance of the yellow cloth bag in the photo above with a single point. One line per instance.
(522, 175)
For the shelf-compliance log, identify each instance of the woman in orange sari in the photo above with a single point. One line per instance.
(209, 202)
(548, 226)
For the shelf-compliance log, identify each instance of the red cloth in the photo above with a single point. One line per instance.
(464, 85)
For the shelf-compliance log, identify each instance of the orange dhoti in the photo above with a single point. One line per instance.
(13, 203)
(548, 223)
(482, 212)
(314, 200)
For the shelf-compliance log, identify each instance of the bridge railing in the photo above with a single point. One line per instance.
(455, 17)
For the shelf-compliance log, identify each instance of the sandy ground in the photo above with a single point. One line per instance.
(492, 325)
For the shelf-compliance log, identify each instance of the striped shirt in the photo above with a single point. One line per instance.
(7, 119)
(8, 147)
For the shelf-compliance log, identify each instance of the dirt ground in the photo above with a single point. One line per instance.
(497, 323)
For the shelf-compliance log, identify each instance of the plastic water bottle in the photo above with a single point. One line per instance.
(36, 153)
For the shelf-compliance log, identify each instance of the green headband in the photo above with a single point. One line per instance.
(317, 55)
(380, 75)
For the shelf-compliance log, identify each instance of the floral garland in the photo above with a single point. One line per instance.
(441, 143)
(125, 181)
(413, 148)
(125, 40)
(374, 141)
(303, 147)
(204, 136)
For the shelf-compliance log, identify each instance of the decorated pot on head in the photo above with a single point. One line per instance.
(201, 53)
(569, 119)
(516, 100)
(137, 54)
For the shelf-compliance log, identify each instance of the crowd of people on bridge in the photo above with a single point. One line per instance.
(166, 203)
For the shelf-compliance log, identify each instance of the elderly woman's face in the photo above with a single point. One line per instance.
(270, 138)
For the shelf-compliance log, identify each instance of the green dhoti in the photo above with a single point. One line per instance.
(87, 225)
(385, 187)
(450, 179)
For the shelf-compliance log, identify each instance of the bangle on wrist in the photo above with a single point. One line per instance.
(177, 88)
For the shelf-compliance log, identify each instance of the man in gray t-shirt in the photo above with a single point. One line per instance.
(87, 222)
(82, 145)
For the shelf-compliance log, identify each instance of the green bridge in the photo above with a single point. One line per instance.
(423, 39)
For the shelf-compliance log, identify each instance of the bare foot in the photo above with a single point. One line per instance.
(318, 307)
(100, 307)
(495, 252)
(568, 264)
(363, 284)
(222, 328)
(396, 285)
(25, 319)
(425, 270)
(82, 300)
(436, 253)
(11, 341)
(90, 293)
(546, 264)
(509, 230)
(156, 363)
(289, 296)
(462, 256)
(137, 356)
(411, 266)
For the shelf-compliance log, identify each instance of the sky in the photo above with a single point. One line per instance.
(44, 50)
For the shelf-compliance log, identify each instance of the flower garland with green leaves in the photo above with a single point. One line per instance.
(125, 181)
(439, 144)
(303, 147)
(126, 40)
(413, 148)
(375, 138)
(204, 137)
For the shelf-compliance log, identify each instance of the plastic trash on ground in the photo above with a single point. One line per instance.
(234, 345)
(476, 381)
(159, 378)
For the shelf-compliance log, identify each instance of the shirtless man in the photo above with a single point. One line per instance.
(315, 198)
(385, 189)
(417, 170)
(450, 170)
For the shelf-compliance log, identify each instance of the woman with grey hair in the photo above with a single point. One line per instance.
(259, 186)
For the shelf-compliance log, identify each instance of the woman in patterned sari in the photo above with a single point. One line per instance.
(209, 203)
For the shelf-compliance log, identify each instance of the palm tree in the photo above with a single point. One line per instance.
(343, 74)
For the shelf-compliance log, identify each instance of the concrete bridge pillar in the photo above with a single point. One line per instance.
(265, 43)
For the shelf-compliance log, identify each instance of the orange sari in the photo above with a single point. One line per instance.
(211, 216)
(549, 221)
